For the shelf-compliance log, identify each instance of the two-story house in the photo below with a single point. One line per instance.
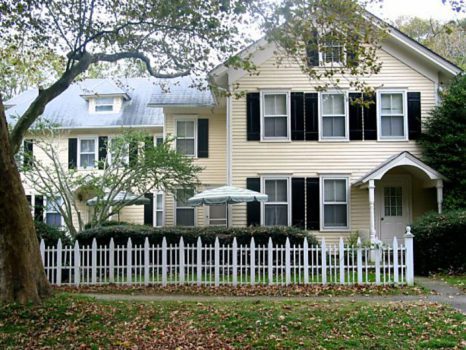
(326, 164)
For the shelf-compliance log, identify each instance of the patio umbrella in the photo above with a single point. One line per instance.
(226, 195)
(121, 197)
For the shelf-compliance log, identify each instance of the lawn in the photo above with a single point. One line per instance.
(68, 321)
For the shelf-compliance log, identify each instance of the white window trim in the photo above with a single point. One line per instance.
(104, 112)
(264, 138)
(348, 203)
(187, 119)
(404, 92)
(96, 151)
(323, 138)
(176, 207)
(288, 189)
(155, 223)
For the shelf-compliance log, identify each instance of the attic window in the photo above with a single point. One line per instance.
(104, 104)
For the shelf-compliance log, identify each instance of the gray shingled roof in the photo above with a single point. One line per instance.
(70, 109)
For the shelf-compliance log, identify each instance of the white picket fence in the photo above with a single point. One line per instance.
(233, 264)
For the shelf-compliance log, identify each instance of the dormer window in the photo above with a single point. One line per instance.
(332, 53)
(104, 104)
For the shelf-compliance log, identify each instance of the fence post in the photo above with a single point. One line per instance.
(396, 277)
(306, 260)
(164, 261)
(287, 262)
(182, 263)
(235, 262)
(217, 261)
(129, 261)
(146, 261)
(199, 261)
(359, 260)
(59, 261)
(253, 261)
(42, 250)
(270, 261)
(377, 256)
(342, 261)
(111, 261)
(77, 262)
(94, 262)
(323, 249)
(409, 238)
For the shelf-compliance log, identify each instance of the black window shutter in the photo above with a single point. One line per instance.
(297, 116)
(313, 203)
(253, 116)
(27, 153)
(298, 205)
(414, 115)
(149, 210)
(72, 153)
(203, 138)
(312, 50)
(311, 101)
(133, 153)
(253, 208)
(370, 118)
(103, 145)
(39, 208)
(355, 117)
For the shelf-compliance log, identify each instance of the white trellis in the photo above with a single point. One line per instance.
(229, 264)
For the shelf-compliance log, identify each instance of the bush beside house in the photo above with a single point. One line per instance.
(138, 233)
(51, 234)
(440, 242)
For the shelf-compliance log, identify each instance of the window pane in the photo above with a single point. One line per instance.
(392, 126)
(104, 101)
(159, 218)
(88, 146)
(276, 215)
(276, 190)
(104, 108)
(53, 219)
(87, 160)
(217, 212)
(185, 129)
(334, 190)
(185, 217)
(159, 204)
(333, 104)
(275, 127)
(182, 197)
(334, 127)
(335, 215)
(393, 201)
(185, 146)
(275, 104)
(392, 104)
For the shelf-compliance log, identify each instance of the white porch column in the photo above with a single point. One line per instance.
(372, 210)
(439, 195)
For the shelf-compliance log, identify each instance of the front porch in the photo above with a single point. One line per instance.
(400, 190)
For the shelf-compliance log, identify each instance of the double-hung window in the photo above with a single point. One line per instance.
(334, 125)
(275, 116)
(52, 213)
(331, 52)
(186, 137)
(334, 202)
(393, 121)
(87, 153)
(158, 209)
(276, 209)
(104, 104)
(185, 214)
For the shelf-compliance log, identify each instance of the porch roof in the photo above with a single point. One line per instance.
(404, 158)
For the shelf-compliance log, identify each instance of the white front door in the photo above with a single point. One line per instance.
(394, 206)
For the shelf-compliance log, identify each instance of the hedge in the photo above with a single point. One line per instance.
(51, 234)
(138, 233)
(440, 242)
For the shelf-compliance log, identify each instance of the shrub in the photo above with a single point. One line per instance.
(439, 242)
(107, 223)
(51, 234)
(138, 233)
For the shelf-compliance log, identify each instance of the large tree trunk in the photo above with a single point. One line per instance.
(22, 276)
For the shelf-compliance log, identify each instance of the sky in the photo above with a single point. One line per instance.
(392, 9)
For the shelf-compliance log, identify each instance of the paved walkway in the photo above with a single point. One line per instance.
(446, 294)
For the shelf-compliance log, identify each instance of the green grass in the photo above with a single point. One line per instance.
(69, 321)
(455, 280)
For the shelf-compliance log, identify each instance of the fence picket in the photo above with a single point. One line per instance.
(395, 261)
(94, 261)
(77, 262)
(217, 262)
(342, 261)
(234, 252)
(377, 257)
(359, 260)
(306, 260)
(182, 262)
(164, 262)
(252, 264)
(287, 262)
(59, 261)
(199, 261)
(323, 248)
(146, 261)
(129, 261)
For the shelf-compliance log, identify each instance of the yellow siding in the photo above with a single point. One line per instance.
(311, 158)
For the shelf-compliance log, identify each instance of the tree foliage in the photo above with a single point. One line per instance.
(444, 142)
(446, 39)
(153, 167)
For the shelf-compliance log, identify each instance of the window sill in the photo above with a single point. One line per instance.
(335, 229)
(392, 140)
(334, 140)
(275, 140)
